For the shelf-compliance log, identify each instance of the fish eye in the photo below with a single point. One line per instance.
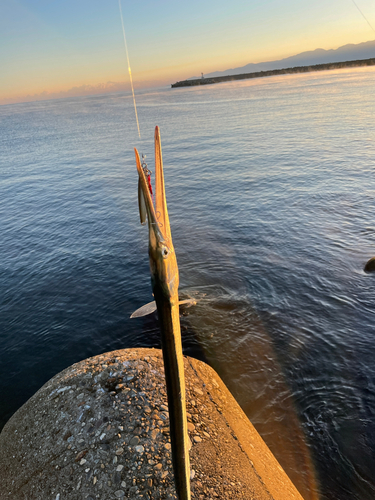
(164, 252)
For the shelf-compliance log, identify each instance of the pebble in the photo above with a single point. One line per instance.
(80, 455)
(139, 449)
(119, 468)
(119, 451)
(191, 427)
(154, 434)
(119, 494)
(197, 439)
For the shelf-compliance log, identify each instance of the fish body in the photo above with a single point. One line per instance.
(165, 281)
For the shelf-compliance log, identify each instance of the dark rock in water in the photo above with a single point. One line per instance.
(370, 266)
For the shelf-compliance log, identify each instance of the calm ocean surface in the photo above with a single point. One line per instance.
(270, 187)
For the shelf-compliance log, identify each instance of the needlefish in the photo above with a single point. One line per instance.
(165, 281)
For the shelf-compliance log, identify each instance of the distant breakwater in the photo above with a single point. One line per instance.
(273, 72)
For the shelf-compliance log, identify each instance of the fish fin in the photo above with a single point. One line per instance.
(151, 307)
(144, 310)
(188, 302)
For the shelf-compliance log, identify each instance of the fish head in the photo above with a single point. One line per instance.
(163, 262)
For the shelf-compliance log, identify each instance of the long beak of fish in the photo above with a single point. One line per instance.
(164, 277)
(158, 220)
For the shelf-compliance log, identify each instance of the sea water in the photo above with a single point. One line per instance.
(270, 187)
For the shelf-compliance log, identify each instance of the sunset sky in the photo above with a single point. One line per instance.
(51, 46)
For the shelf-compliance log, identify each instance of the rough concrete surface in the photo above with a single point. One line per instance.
(99, 430)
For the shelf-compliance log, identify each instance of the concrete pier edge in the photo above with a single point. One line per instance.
(99, 429)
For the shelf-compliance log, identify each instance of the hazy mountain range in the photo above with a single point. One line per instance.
(350, 52)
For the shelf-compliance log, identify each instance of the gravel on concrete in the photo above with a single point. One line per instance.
(100, 430)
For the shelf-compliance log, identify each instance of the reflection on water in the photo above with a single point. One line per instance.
(237, 346)
(270, 193)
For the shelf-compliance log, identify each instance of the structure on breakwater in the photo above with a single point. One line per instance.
(274, 72)
(100, 430)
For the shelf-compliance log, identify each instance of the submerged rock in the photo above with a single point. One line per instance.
(370, 265)
(100, 429)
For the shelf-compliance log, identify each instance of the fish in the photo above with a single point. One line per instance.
(165, 282)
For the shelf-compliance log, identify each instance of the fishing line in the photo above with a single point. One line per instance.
(130, 71)
(364, 17)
